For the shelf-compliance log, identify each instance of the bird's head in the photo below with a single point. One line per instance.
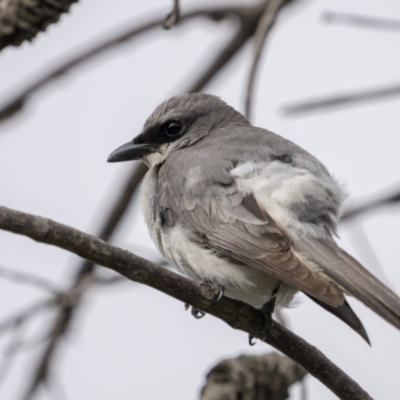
(177, 123)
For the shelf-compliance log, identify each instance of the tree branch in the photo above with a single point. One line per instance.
(362, 21)
(17, 102)
(340, 100)
(83, 279)
(26, 314)
(265, 24)
(173, 17)
(29, 279)
(235, 313)
(351, 212)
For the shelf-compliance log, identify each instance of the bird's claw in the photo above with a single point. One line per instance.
(218, 295)
(251, 339)
(197, 313)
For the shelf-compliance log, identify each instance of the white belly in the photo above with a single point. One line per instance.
(241, 282)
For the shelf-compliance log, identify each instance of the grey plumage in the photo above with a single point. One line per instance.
(247, 209)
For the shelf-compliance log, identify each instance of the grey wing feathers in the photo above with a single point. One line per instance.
(229, 222)
(352, 277)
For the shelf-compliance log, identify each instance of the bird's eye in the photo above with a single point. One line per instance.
(173, 128)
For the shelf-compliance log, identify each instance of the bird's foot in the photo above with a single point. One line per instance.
(251, 339)
(219, 291)
(269, 329)
(197, 313)
(267, 310)
(218, 295)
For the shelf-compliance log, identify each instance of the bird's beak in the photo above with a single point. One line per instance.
(130, 151)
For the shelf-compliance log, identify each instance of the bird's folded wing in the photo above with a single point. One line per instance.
(232, 224)
(352, 277)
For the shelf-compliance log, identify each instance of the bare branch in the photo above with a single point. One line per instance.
(351, 212)
(267, 376)
(83, 279)
(202, 296)
(173, 17)
(29, 279)
(340, 100)
(265, 25)
(10, 351)
(362, 21)
(26, 314)
(17, 102)
(22, 20)
(248, 18)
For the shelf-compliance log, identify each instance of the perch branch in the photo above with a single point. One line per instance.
(235, 313)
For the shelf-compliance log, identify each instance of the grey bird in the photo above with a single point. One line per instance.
(241, 207)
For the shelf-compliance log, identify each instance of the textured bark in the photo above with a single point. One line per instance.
(22, 20)
(202, 296)
(265, 377)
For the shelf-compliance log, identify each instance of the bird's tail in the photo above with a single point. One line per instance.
(354, 279)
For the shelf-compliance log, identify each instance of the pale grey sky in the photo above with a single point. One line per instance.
(131, 342)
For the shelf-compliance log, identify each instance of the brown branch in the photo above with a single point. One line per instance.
(25, 315)
(362, 21)
(267, 376)
(265, 25)
(22, 20)
(173, 17)
(340, 100)
(235, 313)
(351, 212)
(16, 103)
(83, 279)
(29, 279)
(10, 352)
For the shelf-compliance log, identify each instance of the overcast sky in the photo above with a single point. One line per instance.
(130, 341)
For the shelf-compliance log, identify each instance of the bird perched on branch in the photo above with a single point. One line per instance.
(244, 208)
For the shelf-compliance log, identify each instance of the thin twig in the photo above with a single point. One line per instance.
(248, 18)
(26, 314)
(10, 352)
(351, 212)
(173, 17)
(265, 25)
(16, 103)
(202, 296)
(340, 100)
(363, 21)
(29, 279)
